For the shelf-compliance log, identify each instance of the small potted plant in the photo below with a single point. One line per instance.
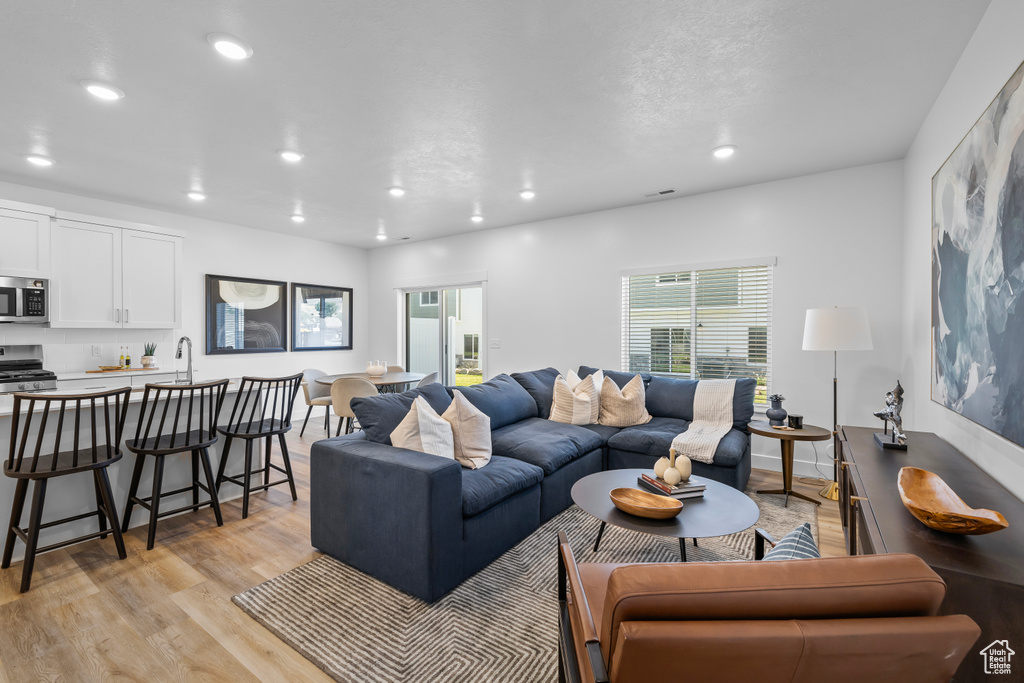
(147, 360)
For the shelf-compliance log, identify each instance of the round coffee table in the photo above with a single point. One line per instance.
(722, 511)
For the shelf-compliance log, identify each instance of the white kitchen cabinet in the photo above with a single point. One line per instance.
(25, 240)
(110, 276)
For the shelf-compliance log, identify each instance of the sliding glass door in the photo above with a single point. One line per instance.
(444, 334)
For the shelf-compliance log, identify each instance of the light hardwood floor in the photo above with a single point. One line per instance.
(167, 615)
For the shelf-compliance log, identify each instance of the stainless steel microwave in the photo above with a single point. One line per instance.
(24, 300)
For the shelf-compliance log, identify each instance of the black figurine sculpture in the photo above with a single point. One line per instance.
(891, 414)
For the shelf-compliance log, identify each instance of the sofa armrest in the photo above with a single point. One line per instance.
(391, 512)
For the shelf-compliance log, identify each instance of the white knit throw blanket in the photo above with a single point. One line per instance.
(712, 419)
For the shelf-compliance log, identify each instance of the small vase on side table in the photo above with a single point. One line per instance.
(776, 414)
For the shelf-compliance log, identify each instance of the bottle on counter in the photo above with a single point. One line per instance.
(128, 359)
(120, 362)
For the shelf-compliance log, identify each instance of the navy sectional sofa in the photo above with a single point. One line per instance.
(424, 524)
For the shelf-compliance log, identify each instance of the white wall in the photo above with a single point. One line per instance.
(990, 58)
(218, 249)
(553, 287)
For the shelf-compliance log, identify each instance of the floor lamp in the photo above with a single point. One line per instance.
(836, 329)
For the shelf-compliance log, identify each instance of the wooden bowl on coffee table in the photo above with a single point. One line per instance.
(644, 504)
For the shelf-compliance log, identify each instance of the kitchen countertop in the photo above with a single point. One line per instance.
(113, 373)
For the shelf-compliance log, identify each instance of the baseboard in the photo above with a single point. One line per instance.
(801, 468)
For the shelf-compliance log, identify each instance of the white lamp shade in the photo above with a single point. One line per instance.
(837, 329)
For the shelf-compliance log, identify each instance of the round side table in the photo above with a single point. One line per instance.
(787, 438)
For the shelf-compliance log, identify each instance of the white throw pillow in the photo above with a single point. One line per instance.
(624, 408)
(471, 429)
(423, 430)
(569, 407)
(591, 384)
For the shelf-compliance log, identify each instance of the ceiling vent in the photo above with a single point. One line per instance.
(401, 239)
(660, 193)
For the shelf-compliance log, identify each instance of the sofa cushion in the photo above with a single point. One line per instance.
(540, 384)
(623, 407)
(673, 397)
(471, 432)
(621, 379)
(603, 431)
(798, 544)
(425, 431)
(502, 478)
(502, 399)
(379, 415)
(544, 443)
(655, 439)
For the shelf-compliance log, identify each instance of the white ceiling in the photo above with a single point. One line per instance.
(593, 103)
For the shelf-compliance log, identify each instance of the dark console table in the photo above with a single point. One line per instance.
(984, 575)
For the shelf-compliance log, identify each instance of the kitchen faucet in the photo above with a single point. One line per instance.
(188, 376)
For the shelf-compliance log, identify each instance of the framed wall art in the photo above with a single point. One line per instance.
(321, 317)
(978, 270)
(245, 315)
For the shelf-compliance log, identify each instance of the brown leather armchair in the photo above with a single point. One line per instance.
(865, 618)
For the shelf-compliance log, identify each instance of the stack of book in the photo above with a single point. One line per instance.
(691, 488)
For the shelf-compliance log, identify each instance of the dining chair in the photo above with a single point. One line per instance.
(262, 410)
(316, 394)
(93, 424)
(396, 368)
(343, 390)
(429, 379)
(185, 417)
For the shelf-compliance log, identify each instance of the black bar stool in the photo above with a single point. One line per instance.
(263, 409)
(102, 438)
(194, 431)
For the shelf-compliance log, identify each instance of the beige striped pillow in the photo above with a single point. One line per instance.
(592, 386)
(624, 408)
(571, 407)
(471, 429)
(423, 430)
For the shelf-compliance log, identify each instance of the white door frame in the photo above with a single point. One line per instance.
(454, 282)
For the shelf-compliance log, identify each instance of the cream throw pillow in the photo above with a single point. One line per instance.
(570, 407)
(423, 430)
(471, 429)
(623, 408)
(592, 386)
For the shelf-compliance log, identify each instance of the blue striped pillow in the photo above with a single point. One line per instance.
(798, 544)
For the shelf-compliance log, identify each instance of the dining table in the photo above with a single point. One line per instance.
(386, 383)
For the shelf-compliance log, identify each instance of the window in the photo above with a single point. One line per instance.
(471, 346)
(428, 298)
(710, 324)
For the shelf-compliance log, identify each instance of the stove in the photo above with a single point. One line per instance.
(21, 369)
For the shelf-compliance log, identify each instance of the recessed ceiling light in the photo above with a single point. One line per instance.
(196, 196)
(39, 160)
(477, 219)
(298, 218)
(291, 156)
(103, 91)
(724, 151)
(527, 194)
(381, 236)
(396, 191)
(229, 46)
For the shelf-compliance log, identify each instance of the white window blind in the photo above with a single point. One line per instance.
(700, 324)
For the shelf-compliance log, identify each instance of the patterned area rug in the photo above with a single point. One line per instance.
(499, 625)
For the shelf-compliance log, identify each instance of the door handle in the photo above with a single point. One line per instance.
(117, 315)
(126, 316)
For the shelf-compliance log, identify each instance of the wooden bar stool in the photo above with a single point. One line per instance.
(99, 429)
(263, 409)
(193, 409)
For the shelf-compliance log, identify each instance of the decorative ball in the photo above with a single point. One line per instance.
(660, 467)
(672, 476)
(684, 467)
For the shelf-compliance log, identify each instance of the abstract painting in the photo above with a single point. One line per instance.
(978, 270)
(244, 315)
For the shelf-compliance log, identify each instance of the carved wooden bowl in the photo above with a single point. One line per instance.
(644, 504)
(932, 501)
